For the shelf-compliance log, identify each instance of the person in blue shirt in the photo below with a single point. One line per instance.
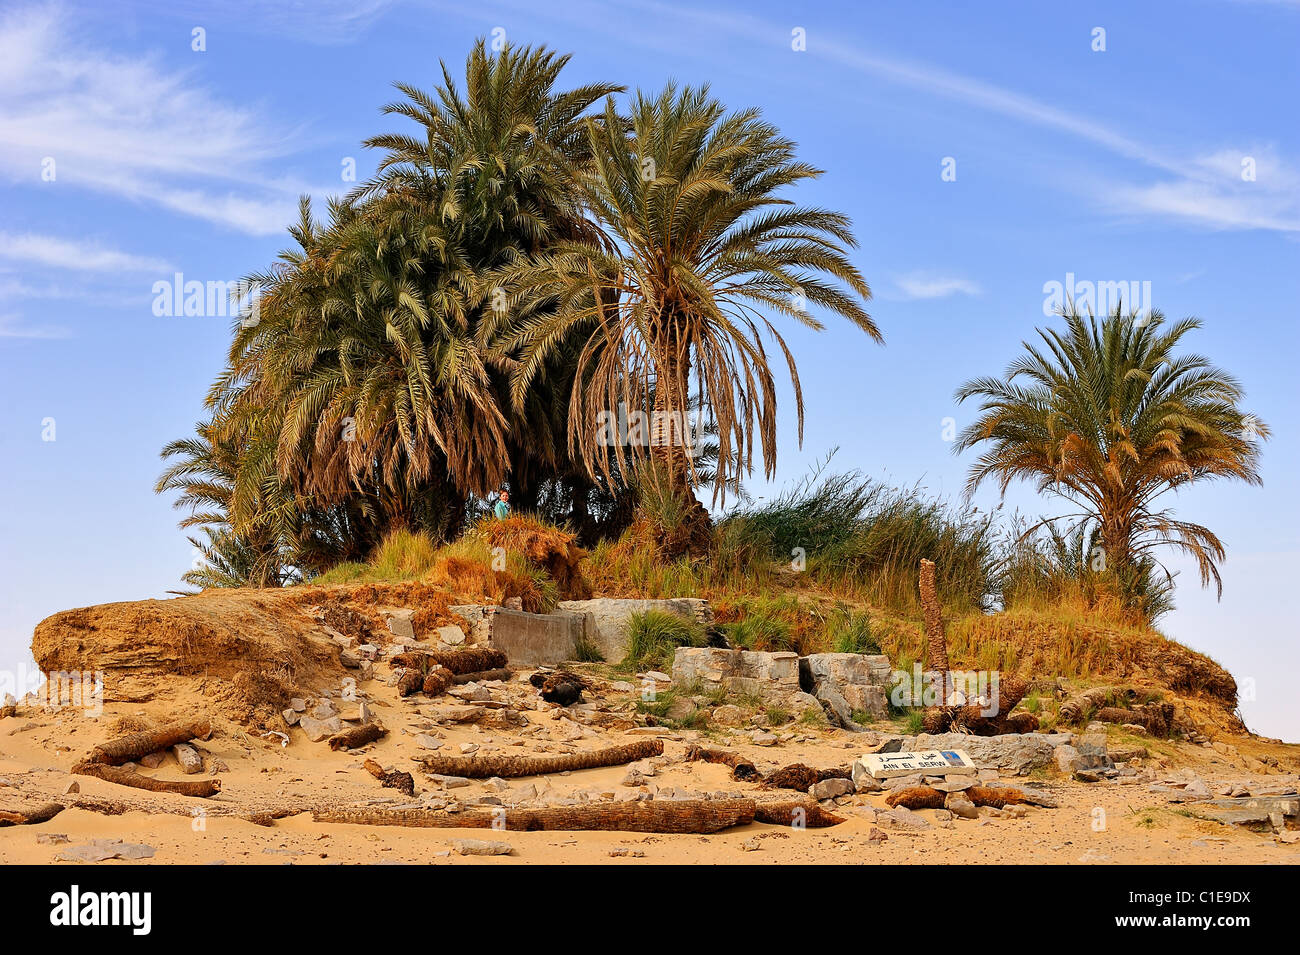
(502, 507)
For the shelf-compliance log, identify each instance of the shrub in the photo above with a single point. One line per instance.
(654, 635)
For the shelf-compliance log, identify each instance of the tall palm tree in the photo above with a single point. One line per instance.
(1107, 415)
(697, 248)
(367, 377)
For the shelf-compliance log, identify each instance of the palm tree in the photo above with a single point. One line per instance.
(368, 378)
(1106, 415)
(696, 249)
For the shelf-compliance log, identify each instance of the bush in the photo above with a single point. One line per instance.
(862, 536)
(850, 632)
(653, 636)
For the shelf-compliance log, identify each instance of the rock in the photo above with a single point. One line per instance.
(1065, 757)
(469, 749)
(863, 781)
(763, 738)
(317, 729)
(357, 713)
(399, 623)
(1018, 753)
(728, 715)
(290, 716)
(100, 850)
(1092, 752)
(153, 760)
(350, 659)
(831, 788)
(324, 710)
(72, 786)
(482, 847)
(425, 741)
(956, 784)
(681, 709)
(298, 705)
(1197, 789)
(457, 714)
(875, 835)
(904, 818)
(453, 635)
(959, 805)
(188, 757)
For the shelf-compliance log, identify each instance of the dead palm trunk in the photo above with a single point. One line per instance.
(506, 767)
(936, 643)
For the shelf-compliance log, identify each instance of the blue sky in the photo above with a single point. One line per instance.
(126, 156)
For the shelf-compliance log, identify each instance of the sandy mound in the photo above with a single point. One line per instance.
(244, 650)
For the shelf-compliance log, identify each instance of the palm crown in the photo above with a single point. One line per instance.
(1106, 414)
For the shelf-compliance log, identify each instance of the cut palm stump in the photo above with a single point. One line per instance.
(507, 767)
(696, 816)
(29, 817)
(973, 718)
(201, 788)
(124, 749)
(482, 676)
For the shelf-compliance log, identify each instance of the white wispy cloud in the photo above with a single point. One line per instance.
(131, 128)
(1179, 185)
(12, 326)
(926, 285)
(54, 252)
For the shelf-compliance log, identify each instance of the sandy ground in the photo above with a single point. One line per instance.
(1095, 823)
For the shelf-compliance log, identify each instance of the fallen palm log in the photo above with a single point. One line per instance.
(1156, 718)
(801, 813)
(30, 817)
(482, 676)
(124, 749)
(437, 680)
(357, 736)
(927, 797)
(691, 816)
(392, 779)
(741, 768)
(507, 767)
(915, 797)
(800, 777)
(1075, 709)
(472, 660)
(201, 788)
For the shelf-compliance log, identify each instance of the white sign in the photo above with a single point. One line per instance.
(934, 762)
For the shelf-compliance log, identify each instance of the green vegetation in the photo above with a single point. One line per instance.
(654, 635)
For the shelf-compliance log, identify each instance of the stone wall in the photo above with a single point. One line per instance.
(610, 616)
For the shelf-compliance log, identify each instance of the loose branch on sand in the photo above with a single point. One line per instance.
(693, 816)
(125, 777)
(507, 767)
